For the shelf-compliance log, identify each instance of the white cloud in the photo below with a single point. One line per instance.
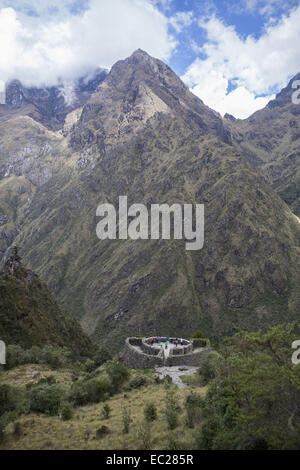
(256, 66)
(38, 50)
(181, 20)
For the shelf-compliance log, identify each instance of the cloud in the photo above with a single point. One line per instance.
(255, 66)
(181, 20)
(38, 48)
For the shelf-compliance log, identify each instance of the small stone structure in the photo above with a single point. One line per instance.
(145, 353)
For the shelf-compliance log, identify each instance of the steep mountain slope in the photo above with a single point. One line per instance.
(51, 105)
(145, 135)
(30, 316)
(270, 139)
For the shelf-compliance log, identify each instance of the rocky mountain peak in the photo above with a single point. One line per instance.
(137, 89)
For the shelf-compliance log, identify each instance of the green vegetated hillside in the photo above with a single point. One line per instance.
(145, 135)
(30, 316)
(244, 396)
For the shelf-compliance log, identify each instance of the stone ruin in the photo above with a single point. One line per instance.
(146, 353)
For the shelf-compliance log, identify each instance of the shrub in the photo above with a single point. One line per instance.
(101, 356)
(150, 412)
(172, 443)
(137, 382)
(17, 429)
(126, 420)
(198, 335)
(90, 365)
(50, 380)
(207, 369)
(117, 373)
(171, 410)
(14, 356)
(101, 432)
(144, 436)
(192, 405)
(46, 399)
(89, 391)
(52, 356)
(13, 400)
(106, 411)
(67, 412)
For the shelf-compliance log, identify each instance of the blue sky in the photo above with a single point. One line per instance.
(233, 54)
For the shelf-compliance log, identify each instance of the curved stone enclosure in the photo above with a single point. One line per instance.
(140, 354)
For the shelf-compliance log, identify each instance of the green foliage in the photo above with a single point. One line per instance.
(253, 399)
(197, 335)
(137, 381)
(17, 429)
(208, 366)
(117, 373)
(171, 410)
(90, 365)
(144, 436)
(2, 430)
(30, 316)
(89, 391)
(101, 356)
(54, 356)
(13, 400)
(46, 398)
(150, 412)
(173, 443)
(192, 405)
(67, 412)
(106, 411)
(126, 420)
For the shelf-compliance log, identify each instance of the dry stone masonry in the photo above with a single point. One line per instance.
(146, 353)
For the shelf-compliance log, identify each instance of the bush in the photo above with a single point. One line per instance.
(126, 420)
(198, 335)
(90, 365)
(171, 410)
(2, 430)
(144, 436)
(89, 391)
(67, 412)
(192, 405)
(101, 432)
(106, 411)
(137, 382)
(17, 429)
(150, 412)
(101, 356)
(117, 373)
(46, 399)
(13, 400)
(172, 443)
(207, 369)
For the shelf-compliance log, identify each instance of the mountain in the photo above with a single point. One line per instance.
(270, 140)
(30, 316)
(51, 105)
(143, 134)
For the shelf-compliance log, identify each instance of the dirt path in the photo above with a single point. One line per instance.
(175, 373)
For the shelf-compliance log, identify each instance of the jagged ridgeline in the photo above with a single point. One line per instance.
(30, 316)
(143, 134)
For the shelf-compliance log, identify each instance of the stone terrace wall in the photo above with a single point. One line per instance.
(193, 359)
(148, 349)
(138, 359)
